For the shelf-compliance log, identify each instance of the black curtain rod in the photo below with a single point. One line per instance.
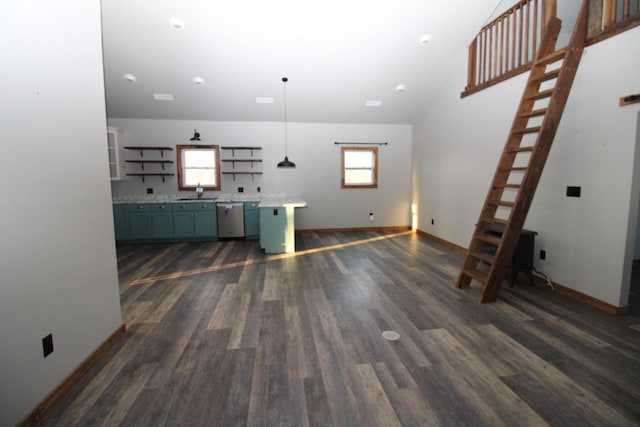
(361, 143)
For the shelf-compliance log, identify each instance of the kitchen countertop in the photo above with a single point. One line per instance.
(267, 200)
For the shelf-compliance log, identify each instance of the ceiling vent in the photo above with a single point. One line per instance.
(163, 96)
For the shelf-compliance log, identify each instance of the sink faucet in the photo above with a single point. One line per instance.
(199, 191)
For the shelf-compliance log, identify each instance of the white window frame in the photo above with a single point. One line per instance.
(182, 167)
(373, 168)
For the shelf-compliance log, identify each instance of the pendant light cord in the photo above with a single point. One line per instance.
(284, 80)
(286, 163)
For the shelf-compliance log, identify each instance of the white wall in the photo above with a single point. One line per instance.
(57, 257)
(636, 169)
(316, 177)
(458, 142)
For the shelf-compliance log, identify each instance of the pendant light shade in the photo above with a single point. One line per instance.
(286, 163)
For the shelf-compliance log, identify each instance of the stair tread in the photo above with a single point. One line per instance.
(528, 130)
(506, 185)
(498, 221)
(475, 274)
(542, 94)
(522, 149)
(534, 113)
(483, 256)
(549, 75)
(500, 203)
(515, 168)
(552, 57)
(490, 238)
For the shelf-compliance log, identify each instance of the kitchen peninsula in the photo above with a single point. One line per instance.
(185, 217)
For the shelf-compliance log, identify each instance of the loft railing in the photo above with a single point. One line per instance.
(507, 46)
(610, 17)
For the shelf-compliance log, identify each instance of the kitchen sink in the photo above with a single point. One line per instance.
(197, 198)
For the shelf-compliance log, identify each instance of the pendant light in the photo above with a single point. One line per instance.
(196, 136)
(286, 163)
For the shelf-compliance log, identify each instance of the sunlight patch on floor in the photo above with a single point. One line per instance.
(269, 258)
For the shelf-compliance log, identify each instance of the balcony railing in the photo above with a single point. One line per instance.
(508, 45)
(610, 17)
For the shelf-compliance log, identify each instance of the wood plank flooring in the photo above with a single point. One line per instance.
(220, 334)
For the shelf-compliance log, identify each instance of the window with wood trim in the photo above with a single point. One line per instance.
(198, 164)
(359, 167)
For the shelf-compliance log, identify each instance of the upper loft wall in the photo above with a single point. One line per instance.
(458, 142)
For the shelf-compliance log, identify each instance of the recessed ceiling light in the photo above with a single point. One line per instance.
(373, 103)
(198, 80)
(163, 96)
(130, 77)
(264, 100)
(401, 88)
(176, 23)
(425, 38)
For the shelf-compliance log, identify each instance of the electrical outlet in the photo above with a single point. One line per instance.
(573, 191)
(258, 189)
(149, 190)
(370, 216)
(47, 345)
(240, 189)
(543, 254)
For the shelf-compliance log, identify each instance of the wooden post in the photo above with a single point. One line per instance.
(608, 13)
(471, 67)
(595, 17)
(549, 10)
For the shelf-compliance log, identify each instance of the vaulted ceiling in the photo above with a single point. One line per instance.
(337, 55)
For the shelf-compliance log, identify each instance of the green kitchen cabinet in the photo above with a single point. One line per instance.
(205, 220)
(121, 221)
(162, 220)
(140, 221)
(251, 220)
(165, 222)
(183, 220)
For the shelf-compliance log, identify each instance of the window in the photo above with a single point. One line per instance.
(359, 167)
(198, 164)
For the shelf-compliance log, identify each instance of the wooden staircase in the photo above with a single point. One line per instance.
(523, 158)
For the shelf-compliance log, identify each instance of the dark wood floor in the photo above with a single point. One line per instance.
(220, 334)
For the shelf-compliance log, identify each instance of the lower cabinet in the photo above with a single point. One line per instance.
(277, 230)
(162, 221)
(140, 226)
(251, 220)
(150, 222)
(205, 220)
(121, 221)
(183, 221)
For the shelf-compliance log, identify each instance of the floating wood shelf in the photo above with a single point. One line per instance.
(142, 162)
(142, 149)
(234, 161)
(233, 149)
(143, 175)
(252, 161)
(241, 173)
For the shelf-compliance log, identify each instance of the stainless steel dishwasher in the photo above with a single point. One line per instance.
(230, 219)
